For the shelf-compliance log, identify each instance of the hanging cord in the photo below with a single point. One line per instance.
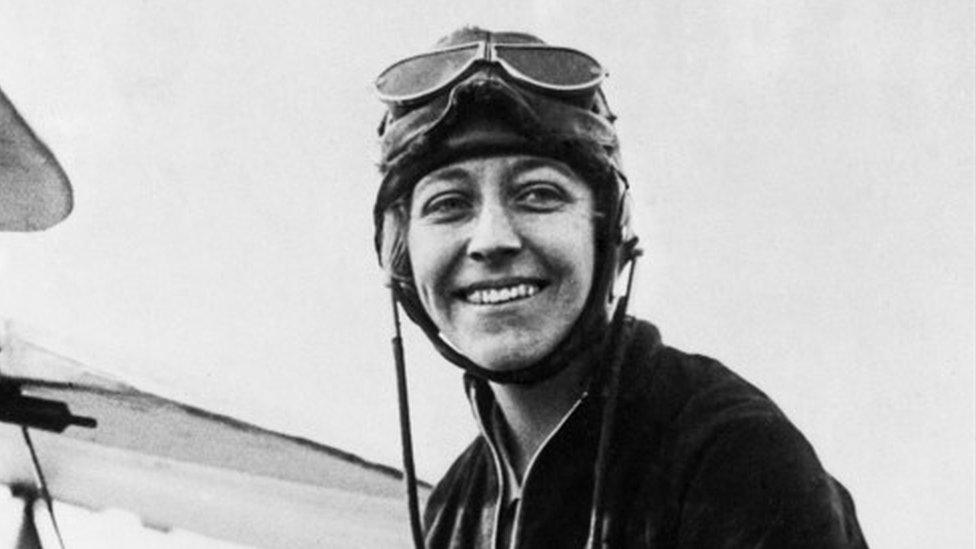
(41, 481)
(42, 484)
(49, 415)
(406, 441)
(599, 537)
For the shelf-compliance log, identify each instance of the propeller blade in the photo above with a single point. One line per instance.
(35, 193)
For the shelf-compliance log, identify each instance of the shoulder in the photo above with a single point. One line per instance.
(467, 477)
(740, 468)
(676, 386)
(701, 406)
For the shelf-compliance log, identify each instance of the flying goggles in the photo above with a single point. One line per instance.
(548, 69)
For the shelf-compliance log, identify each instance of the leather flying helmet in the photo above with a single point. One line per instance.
(481, 93)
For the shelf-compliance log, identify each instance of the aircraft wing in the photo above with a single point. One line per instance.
(177, 466)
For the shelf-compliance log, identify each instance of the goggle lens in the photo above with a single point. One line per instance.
(560, 67)
(418, 75)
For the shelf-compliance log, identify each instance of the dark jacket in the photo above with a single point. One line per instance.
(700, 458)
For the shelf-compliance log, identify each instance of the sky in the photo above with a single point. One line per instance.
(803, 175)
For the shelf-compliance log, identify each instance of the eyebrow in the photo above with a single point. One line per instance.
(451, 173)
(535, 163)
(458, 174)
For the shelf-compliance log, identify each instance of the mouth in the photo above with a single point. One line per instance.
(500, 292)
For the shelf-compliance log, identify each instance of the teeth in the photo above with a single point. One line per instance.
(501, 295)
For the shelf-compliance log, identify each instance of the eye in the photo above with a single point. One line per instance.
(446, 205)
(542, 197)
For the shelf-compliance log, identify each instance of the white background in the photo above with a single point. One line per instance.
(804, 176)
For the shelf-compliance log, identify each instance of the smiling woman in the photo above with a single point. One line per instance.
(502, 254)
(503, 223)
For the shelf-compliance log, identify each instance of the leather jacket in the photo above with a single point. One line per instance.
(699, 458)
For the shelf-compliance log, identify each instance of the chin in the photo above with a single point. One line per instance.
(506, 354)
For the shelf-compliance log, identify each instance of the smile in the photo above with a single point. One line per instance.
(499, 295)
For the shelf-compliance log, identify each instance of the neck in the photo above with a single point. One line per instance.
(532, 412)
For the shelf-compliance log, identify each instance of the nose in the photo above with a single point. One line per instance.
(494, 236)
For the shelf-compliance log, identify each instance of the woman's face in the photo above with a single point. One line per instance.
(502, 252)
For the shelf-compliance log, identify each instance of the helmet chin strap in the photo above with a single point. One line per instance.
(528, 375)
(406, 442)
(580, 338)
(589, 335)
(600, 514)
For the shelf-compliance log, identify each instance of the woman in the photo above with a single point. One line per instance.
(502, 221)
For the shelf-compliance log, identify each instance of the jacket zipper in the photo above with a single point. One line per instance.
(496, 459)
(517, 520)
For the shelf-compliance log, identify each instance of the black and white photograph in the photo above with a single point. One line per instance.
(449, 275)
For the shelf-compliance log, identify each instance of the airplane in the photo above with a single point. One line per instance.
(70, 436)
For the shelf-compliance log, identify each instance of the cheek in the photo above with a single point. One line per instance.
(581, 255)
(430, 263)
(572, 251)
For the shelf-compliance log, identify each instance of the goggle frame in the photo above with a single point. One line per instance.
(487, 53)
